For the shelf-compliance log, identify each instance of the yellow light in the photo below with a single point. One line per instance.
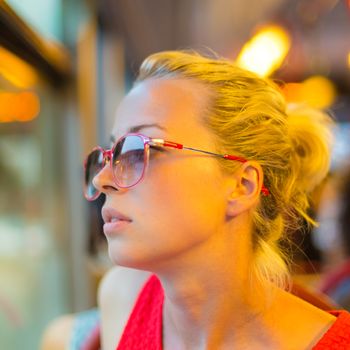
(18, 107)
(318, 91)
(15, 70)
(349, 59)
(265, 52)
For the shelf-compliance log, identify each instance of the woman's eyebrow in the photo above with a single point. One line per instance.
(138, 128)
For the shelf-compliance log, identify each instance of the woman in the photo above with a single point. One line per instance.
(208, 170)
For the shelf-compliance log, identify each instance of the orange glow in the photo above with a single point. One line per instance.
(349, 58)
(265, 51)
(293, 92)
(18, 107)
(317, 91)
(16, 71)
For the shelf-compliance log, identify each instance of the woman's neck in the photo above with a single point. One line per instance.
(204, 314)
(212, 293)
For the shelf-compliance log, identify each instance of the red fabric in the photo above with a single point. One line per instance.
(338, 336)
(143, 330)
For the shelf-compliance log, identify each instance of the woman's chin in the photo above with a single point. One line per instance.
(127, 258)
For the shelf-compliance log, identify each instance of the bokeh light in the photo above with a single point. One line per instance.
(316, 91)
(18, 107)
(16, 71)
(266, 51)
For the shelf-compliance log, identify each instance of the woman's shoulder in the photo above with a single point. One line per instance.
(117, 294)
(310, 323)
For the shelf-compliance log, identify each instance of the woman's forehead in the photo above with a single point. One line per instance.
(174, 104)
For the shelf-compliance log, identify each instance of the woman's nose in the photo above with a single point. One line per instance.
(104, 181)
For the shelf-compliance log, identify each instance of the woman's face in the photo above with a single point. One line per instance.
(179, 206)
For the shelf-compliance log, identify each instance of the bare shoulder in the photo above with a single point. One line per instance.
(309, 322)
(120, 282)
(58, 333)
(117, 293)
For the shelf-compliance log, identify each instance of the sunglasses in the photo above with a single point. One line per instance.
(128, 159)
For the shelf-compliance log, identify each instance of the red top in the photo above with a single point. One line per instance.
(144, 328)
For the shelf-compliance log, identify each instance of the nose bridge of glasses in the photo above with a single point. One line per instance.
(107, 155)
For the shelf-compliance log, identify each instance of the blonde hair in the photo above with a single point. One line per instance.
(249, 117)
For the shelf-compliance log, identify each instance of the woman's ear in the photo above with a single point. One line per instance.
(245, 188)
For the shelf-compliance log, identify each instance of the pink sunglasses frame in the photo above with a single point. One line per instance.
(149, 142)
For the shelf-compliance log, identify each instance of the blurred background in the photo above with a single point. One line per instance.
(65, 65)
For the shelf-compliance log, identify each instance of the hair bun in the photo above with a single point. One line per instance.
(310, 132)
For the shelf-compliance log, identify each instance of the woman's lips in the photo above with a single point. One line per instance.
(113, 227)
(114, 220)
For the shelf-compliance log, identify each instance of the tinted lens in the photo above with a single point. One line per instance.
(93, 165)
(129, 161)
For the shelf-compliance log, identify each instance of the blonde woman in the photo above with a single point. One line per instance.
(207, 170)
